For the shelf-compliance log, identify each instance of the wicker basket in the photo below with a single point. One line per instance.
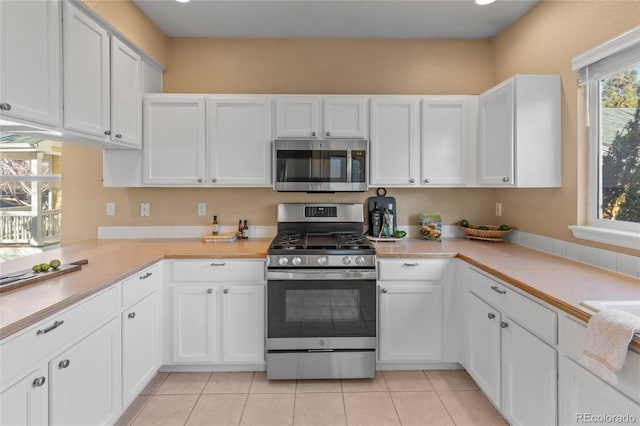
(493, 232)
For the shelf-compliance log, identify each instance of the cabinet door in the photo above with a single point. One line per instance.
(30, 60)
(297, 117)
(482, 346)
(447, 127)
(496, 143)
(344, 117)
(174, 140)
(529, 376)
(243, 323)
(194, 323)
(395, 142)
(410, 322)
(239, 141)
(25, 402)
(126, 94)
(85, 380)
(584, 397)
(86, 74)
(140, 346)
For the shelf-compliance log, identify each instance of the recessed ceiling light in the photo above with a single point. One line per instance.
(183, 1)
(480, 2)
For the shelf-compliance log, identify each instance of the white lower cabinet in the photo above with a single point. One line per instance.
(217, 312)
(85, 380)
(516, 369)
(25, 402)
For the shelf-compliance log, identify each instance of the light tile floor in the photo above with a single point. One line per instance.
(420, 398)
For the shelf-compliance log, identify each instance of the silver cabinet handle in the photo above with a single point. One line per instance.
(209, 290)
(328, 133)
(313, 133)
(39, 381)
(131, 315)
(64, 363)
(491, 315)
(119, 135)
(213, 180)
(225, 291)
(504, 324)
(5, 106)
(199, 180)
(218, 263)
(51, 327)
(412, 180)
(107, 132)
(497, 290)
(426, 181)
(145, 276)
(411, 264)
(384, 290)
(505, 179)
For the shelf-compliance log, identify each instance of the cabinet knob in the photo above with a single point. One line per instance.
(225, 291)
(131, 315)
(107, 132)
(491, 315)
(5, 106)
(504, 324)
(119, 135)
(412, 180)
(199, 180)
(384, 290)
(209, 290)
(39, 381)
(426, 181)
(64, 363)
(505, 179)
(328, 133)
(313, 133)
(213, 180)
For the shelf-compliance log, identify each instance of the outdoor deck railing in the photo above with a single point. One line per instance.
(25, 227)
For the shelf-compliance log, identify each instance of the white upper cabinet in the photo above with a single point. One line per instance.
(519, 133)
(395, 141)
(449, 130)
(174, 140)
(86, 74)
(30, 61)
(297, 117)
(344, 117)
(239, 141)
(126, 94)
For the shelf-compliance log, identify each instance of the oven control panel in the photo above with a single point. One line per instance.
(321, 261)
(321, 211)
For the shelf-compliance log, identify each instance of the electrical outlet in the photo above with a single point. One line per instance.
(145, 209)
(202, 209)
(111, 209)
(498, 209)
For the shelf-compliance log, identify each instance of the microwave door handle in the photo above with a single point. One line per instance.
(349, 166)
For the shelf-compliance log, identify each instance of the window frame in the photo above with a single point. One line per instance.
(606, 59)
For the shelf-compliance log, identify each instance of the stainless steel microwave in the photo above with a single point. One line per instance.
(333, 165)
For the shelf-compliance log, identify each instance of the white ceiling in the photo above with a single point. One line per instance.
(421, 19)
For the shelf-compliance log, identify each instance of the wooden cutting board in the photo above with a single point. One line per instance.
(27, 276)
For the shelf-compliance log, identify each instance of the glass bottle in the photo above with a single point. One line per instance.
(214, 226)
(245, 230)
(239, 233)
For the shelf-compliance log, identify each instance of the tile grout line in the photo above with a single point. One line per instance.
(148, 400)
(246, 398)
(198, 398)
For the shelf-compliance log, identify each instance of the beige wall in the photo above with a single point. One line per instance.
(542, 41)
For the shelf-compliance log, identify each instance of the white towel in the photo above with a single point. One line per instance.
(607, 341)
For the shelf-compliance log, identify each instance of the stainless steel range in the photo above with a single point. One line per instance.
(321, 294)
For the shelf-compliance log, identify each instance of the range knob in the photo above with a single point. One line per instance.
(296, 261)
(346, 260)
(283, 261)
(360, 260)
(322, 260)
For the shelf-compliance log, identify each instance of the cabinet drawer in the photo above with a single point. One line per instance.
(538, 319)
(140, 284)
(411, 269)
(224, 270)
(54, 333)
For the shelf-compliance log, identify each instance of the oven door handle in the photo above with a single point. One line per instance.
(323, 274)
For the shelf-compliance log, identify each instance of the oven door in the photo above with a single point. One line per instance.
(320, 165)
(321, 310)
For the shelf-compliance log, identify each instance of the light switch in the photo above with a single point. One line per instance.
(202, 209)
(145, 209)
(111, 209)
